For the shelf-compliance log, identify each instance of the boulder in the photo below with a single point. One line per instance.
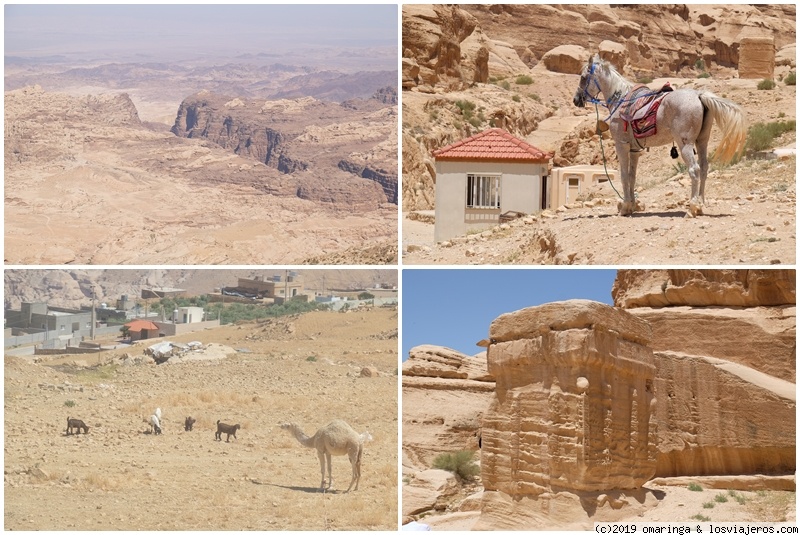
(428, 490)
(567, 59)
(615, 53)
(757, 58)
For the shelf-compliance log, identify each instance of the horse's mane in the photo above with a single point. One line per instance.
(617, 81)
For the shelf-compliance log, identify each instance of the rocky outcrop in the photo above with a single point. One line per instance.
(720, 337)
(567, 59)
(659, 39)
(634, 288)
(289, 136)
(444, 394)
(573, 412)
(707, 428)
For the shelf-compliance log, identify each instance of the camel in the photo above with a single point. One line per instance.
(335, 438)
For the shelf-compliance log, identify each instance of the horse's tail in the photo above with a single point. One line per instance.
(730, 118)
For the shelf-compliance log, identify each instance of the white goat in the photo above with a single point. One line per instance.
(155, 424)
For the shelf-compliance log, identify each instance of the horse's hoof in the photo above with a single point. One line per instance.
(639, 207)
(694, 210)
(625, 208)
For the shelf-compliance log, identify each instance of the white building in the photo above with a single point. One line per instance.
(484, 176)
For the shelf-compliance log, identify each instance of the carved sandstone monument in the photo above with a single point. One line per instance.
(573, 416)
(588, 412)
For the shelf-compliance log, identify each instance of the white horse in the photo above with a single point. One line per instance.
(684, 118)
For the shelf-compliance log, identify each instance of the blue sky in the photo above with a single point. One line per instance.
(454, 307)
(245, 28)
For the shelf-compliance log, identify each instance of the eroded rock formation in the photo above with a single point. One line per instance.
(720, 337)
(445, 394)
(573, 411)
(343, 154)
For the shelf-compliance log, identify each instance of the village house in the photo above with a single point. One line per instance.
(38, 317)
(484, 176)
(275, 287)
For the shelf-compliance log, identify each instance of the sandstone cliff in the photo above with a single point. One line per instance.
(720, 337)
(446, 393)
(340, 154)
(691, 374)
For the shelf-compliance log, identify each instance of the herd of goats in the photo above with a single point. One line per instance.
(334, 438)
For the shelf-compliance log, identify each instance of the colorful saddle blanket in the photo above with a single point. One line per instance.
(640, 109)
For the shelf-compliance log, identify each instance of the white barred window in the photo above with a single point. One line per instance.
(483, 191)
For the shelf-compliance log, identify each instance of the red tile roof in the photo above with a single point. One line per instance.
(494, 144)
(141, 325)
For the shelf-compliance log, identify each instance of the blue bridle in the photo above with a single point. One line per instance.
(591, 78)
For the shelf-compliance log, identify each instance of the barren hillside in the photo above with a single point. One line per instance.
(305, 369)
(88, 183)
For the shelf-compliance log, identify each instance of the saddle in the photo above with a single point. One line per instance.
(640, 109)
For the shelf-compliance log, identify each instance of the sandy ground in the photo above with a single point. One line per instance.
(304, 369)
(669, 503)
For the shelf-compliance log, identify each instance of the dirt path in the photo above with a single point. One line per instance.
(119, 476)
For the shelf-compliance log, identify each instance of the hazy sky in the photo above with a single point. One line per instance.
(454, 307)
(57, 29)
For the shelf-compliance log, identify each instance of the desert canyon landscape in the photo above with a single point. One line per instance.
(255, 148)
(677, 404)
(307, 369)
(469, 68)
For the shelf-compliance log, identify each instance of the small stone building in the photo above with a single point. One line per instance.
(484, 176)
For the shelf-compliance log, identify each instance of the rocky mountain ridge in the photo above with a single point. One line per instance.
(306, 138)
(61, 150)
(73, 288)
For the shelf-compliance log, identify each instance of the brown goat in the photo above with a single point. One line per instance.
(77, 424)
(227, 429)
(188, 423)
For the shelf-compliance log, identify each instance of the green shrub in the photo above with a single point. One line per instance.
(695, 487)
(702, 518)
(536, 97)
(738, 497)
(312, 358)
(789, 80)
(505, 85)
(69, 403)
(700, 64)
(467, 109)
(720, 498)
(708, 505)
(644, 79)
(704, 75)
(460, 463)
(761, 135)
(766, 83)
(515, 98)
(524, 79)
